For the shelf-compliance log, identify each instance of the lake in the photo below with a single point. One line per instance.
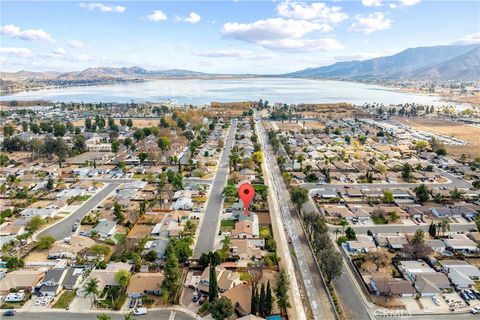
(200, 92)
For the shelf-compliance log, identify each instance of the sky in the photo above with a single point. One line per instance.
(236, 36)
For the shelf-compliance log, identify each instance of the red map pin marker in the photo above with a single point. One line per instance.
(246, 192)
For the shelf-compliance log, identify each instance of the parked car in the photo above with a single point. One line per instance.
(202, 299)
(436, 300)
(75, 227)
(139, 303)
(470, 294)
(475, 310)
(9, 313)
(132, 303)
(140, 311)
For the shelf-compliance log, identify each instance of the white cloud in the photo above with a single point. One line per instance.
(470, 39)
(371, 3)
(371, 23)
(157, 16)
(392, 6)
(103, 7)
(20, 52)
(358, 56)
(193, 17)
(270, 29)
(76, 44)
(300, 45)
(223, 53)
(409, 2)
(60, 51)
(13, 31)
(234, 53)
(316, 11)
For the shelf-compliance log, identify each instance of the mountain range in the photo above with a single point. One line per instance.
(453, 62)
(449, 62)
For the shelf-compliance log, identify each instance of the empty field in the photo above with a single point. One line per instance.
(468, 133)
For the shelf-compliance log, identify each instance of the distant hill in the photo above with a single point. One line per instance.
(438, 62)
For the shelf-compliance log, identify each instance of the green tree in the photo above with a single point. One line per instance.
(422, 193)
(254, 300)
(456, 194)
(418, 238)
(421, 145)
(115, 145)
(330, 262)
(123, 278)
(477, 223)
(261, 301)
(441, 151)
(343, 223)
(444, 225)
(282, 292)
(8, 130)
(222, 309)
(50, 184)
(171, 272)
(212, 285)
(268, 301)
(164, 143)
(388, 196)
(432, 230)
(34, 224)
(129, 316)
(299, 196)
(103, 316)
(91, 289)
(407, 172)
(350, 233)
(45, 242)
(142, 156)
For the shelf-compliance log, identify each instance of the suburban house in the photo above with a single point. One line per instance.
(105, 277)
(145, 283)
(226, 279)
(70, 249)
(426, 280)
(105, 229)
(389, 286)
(52, 283)
(461, 273)
(363, 243)
(21, 280)
(241, 297)
(460, 242)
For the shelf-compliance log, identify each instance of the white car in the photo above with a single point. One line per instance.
(38, 302)
(475, 310)
(436, 300)
(140, 311)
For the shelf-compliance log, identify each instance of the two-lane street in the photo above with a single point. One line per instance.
(63, 228)
(211, 219)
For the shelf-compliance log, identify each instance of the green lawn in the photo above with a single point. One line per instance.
(265, 231)
(139, 176)
(379, 220)
(119, 237)
(227, 225)
(65, 299)
(244, 276)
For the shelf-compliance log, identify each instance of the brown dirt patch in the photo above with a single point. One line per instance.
(468, 133)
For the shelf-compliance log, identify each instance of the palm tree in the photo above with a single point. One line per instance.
(91, 288)
(336, 231)
(343, 223)
(444, 225)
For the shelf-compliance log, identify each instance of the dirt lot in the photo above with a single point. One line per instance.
(286, 126)
(314, 125)
(465, 132)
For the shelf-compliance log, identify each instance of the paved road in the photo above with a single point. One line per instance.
(454, 182)
(152, 315)
(311, 277)
(211, 219)
(64, 228)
